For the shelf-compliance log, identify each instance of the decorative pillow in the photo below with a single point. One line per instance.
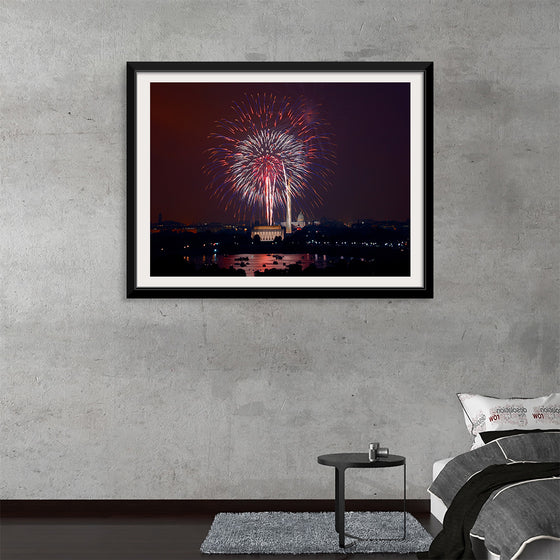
(490, 414)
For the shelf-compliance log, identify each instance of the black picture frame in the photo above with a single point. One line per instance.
(419, 284)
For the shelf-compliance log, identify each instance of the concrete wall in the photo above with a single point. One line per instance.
(105, 397)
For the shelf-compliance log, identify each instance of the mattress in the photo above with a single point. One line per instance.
(437, 507)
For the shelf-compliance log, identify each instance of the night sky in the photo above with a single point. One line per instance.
(371, 127)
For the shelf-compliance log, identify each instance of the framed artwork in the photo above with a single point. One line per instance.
(280, 179)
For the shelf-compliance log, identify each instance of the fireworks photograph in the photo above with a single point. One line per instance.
(259, 180)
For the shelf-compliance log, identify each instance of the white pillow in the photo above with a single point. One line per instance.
(490, 414)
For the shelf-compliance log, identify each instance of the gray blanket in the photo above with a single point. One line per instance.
(514, 514)
(518, 513)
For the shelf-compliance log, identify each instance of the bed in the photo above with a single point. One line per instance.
(501, 499)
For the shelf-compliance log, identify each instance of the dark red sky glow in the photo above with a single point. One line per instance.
(371, 127)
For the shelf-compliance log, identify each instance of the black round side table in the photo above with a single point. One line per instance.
(343, 461)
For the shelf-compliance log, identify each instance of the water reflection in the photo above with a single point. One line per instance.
(251, 262)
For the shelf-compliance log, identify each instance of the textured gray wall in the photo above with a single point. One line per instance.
(104, 397)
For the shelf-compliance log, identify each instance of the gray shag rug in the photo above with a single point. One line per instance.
(277, 532)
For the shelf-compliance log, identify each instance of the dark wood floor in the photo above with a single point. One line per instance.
(131, 538)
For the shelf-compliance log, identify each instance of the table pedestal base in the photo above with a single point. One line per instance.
(339, 509)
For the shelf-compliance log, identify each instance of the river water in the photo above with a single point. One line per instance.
(250, 262)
